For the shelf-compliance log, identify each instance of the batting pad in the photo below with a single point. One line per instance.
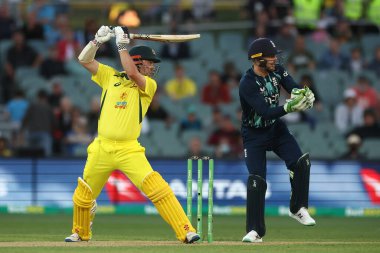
(163, 198)
(299, 181)
(82, 214)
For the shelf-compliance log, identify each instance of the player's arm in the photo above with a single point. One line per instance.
(252, 95)
(87, 56)
(122, 41)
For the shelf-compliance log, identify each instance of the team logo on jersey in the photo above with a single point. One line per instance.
(285, 73)
(121, 105)
(123, 96)
(117, 84)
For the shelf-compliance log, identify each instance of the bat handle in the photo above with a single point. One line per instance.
(113, 32)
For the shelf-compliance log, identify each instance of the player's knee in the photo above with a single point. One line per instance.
(155, 187)
(256, 182)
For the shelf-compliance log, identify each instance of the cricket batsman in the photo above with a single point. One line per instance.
(125, 99)
(263, 130)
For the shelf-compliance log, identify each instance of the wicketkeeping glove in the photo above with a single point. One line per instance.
(103, 35)
(296, 104)
(122, 37)
(310, 97)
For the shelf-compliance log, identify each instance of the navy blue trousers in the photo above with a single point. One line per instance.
(276, 138)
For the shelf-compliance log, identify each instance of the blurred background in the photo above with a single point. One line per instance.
(49, 106)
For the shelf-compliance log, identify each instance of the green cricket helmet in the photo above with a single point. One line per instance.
(139, 53)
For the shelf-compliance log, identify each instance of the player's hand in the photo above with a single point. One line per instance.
(103, 34)
(122, 37)
(296, 104)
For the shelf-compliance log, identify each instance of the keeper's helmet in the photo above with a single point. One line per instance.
(139, 53)
(262, 47)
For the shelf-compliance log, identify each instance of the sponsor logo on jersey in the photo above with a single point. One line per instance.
(121, 105)
(274, 80)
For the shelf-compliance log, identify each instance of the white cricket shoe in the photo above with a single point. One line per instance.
(192, 237)
(73, 238)
(252, 236)
(303, 217)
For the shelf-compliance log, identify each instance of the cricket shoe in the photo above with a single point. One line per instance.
(73, 238)
(303, 217)
(192, 237)
(252, 237)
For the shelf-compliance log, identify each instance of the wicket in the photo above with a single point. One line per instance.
(199, 193)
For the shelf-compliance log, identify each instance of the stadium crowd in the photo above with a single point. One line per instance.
(337, 37)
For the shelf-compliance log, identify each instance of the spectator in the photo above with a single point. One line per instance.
(32, 29)
(210, 123)
(370, 128)
(226, 139)
(157, 112)
(175, 51)
(20, 54)
(195, 148)
(5, 151)
(348, 114)
(354, 143)
(356, 62)
(52, 65)
(230, 76)
(342, 32)
(7, 23)
(285, 39)
(93, 116)
(38, 123)
(16, 109)
(374, 65)
(215, 92)
(180, 86)
(63, 117)
(68, 47)
(203, 10)
(45, 14)
(56, 95)
(321, 35)
(367, 96)
(300, 58)
(77, 138)
(191, 122)
(333, 58)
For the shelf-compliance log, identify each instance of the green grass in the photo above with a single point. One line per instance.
(283, 235)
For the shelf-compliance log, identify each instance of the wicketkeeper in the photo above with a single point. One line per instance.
(263, 130)
(125, 99)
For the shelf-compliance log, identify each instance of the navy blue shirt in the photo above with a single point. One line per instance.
(259, 96)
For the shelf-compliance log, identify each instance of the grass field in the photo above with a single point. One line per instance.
(112, 233)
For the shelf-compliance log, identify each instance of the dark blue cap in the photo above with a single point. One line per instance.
(262, 47)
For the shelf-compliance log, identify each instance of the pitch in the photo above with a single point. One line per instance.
(120, 233)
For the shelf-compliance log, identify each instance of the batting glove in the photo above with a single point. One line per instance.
(102, 35)
(122, 37)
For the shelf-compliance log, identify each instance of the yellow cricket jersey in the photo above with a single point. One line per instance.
(123, 104)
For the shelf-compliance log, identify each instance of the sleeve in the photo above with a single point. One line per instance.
(103, 75)
(150, 88)
(251, 94)
(287, 80)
